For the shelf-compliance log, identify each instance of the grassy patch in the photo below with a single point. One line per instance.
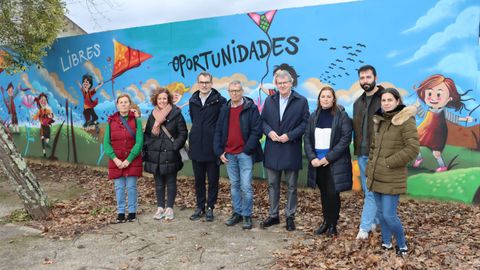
(458, 185)
(19, 215)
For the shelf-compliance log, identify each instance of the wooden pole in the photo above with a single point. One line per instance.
(68, 130)
(73, 138)
(55, 141)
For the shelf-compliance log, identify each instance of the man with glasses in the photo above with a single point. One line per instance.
(236, 142)
(204, 108)
(284, 119)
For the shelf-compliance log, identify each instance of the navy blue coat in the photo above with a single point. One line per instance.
(250, 125)
(339, 152)
(284, 156)
(204, 120)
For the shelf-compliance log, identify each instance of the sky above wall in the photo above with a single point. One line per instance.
(104, 15)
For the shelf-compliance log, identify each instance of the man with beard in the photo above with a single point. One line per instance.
(363, 109)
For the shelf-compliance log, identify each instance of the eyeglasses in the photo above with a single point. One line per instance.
(282, 83)
(204, 83)
(235, 91)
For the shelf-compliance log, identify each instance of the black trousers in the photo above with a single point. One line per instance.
(329, 197)
(90, 114)
(200, 171)
(169, 182)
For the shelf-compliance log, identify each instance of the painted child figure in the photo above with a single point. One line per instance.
(276, 69)
(45, 117)
(438, 93)
(89, 104)
(10, 104)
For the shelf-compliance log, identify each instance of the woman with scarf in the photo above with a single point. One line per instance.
(165, 134)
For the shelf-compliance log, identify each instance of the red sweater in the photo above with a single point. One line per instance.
(235, 141)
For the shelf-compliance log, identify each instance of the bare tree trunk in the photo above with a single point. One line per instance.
(21, 178)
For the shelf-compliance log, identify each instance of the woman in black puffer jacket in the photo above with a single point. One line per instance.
(326, 142)
(162, 152)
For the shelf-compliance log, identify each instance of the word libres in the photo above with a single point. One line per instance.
(80, 56)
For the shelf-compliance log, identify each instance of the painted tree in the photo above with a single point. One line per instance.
(27, 29)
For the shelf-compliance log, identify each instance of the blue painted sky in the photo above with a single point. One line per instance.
(406, 41)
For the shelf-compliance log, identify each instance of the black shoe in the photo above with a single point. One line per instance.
(197, 214)
(290, 224)
(234, 219)
(247, 223)
(322, 229)
(332, 230)
(132, 217)
(120, 218)
(209, 215)
(402, 252)
(269, 221)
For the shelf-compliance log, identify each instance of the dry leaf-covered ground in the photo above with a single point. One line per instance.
(441, 235)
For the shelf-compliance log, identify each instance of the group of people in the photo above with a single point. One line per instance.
(229, 132)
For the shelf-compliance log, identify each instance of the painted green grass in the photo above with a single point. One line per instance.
(422, 182)
(88, 147)
(458, 185)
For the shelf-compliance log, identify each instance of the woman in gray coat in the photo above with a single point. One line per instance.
(326, 142)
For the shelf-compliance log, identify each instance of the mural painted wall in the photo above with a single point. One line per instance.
(429, 50)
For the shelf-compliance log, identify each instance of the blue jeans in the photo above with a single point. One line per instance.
(240, 173)
(369, 211)
(389, 221)
(130, 182)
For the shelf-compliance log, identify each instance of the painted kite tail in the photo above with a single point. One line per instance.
(470, 114)
(267, 68)
(113, 91)
(102, 153)
(268, 58)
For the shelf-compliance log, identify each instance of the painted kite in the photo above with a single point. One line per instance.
(264, 21)
(126, 58)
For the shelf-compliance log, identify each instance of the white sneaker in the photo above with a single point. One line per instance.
(159, 214)
(362, 235)
(169, 214)
(387, 246)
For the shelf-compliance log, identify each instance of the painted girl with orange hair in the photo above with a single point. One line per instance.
(45, 117)
(438, 93)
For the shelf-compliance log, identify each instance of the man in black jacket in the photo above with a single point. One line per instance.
(236, 142)
(204, 108)
(363, 110)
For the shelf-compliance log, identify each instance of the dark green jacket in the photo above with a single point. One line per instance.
(394, 144)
